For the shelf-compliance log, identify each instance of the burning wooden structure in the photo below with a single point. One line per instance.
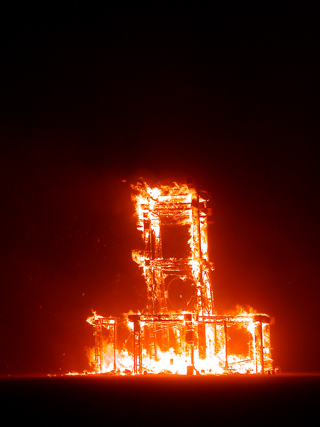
(179, 331)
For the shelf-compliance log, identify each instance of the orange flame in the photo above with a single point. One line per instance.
(169, 339)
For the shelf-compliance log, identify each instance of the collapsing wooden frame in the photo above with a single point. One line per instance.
(179, 322)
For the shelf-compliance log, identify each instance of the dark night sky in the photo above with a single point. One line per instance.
(89, 98)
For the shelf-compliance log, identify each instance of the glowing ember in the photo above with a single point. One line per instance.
(179, 332)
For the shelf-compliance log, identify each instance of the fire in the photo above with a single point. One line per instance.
(179, 332)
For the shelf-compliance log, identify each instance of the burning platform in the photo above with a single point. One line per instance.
(179, 332)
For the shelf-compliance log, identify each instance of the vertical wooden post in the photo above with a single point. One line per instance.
(202, 340)
(226, 344)
(215, 338)
(98, 346)
(261, 348)
(115, 346)
(137, 365)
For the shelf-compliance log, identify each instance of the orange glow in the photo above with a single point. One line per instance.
(179, 332)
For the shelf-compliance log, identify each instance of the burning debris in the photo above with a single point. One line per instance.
(179, 332)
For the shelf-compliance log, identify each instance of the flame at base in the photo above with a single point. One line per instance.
(183, 343)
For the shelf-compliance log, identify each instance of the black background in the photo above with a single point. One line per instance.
(90, 98)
